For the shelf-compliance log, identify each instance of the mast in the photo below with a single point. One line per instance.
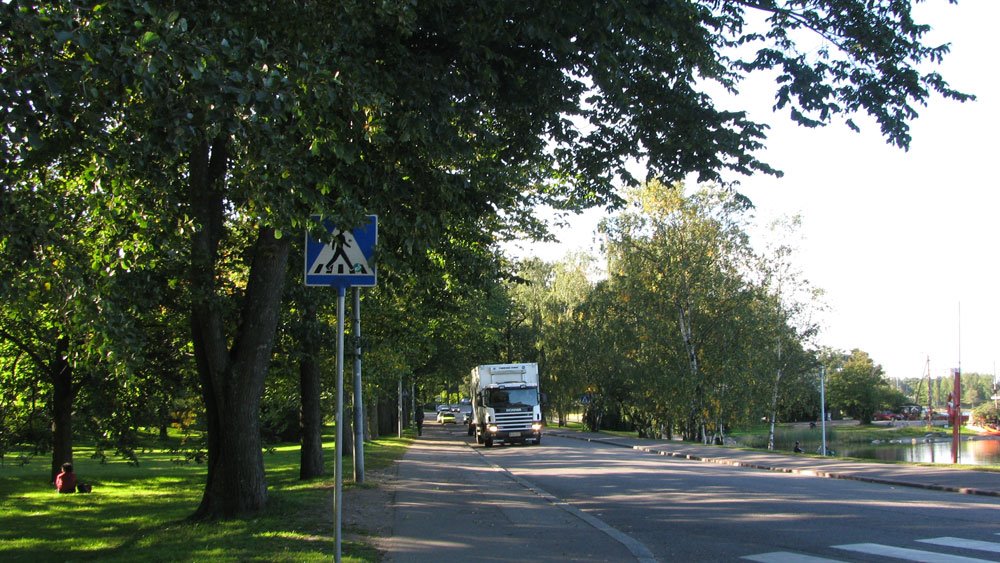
(996, 390)
(930, 401)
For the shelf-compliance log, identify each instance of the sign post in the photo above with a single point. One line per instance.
(343, 259)
(338, 450)
(359, 415)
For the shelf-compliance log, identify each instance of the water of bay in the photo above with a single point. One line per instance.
(971, 452)
(981, 450)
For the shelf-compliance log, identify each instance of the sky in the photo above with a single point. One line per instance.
(903, 243)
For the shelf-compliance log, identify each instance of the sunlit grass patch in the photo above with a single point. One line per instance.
(140, 512)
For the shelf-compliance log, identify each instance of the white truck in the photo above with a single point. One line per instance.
(506, 405)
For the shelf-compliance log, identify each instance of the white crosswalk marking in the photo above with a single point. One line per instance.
(907, 554)
(787, 557)
(992, 547)
(893, 552)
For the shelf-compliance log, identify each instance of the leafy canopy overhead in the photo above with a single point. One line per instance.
(466, 108)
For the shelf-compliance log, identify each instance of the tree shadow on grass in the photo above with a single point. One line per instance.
(123, 523)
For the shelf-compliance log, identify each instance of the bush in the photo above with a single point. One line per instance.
(986, 415)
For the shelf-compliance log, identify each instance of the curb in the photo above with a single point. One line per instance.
(778, 469)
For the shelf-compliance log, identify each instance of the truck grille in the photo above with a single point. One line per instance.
(514, 420)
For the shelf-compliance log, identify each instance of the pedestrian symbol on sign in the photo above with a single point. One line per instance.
(343, 258)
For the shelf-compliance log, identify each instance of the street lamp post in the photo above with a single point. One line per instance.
(822, 405)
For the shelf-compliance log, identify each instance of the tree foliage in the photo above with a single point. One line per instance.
(703, 328)
(976, 388)
(855, 384)
(680, 335)
(208, 133)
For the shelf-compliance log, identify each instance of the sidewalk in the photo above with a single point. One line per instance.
(943, 478)
(450, 504)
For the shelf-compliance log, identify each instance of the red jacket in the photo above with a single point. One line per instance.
(66, 482)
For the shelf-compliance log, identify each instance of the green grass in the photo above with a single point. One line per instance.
(579, 426)
(140, 512)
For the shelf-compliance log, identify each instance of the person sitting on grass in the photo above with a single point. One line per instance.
(66, 480)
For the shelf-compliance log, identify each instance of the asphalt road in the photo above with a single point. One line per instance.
(450, 504)
(684, 510)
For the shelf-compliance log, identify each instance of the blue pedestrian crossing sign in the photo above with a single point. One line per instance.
(343, 258)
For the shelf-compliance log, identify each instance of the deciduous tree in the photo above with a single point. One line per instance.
(247, 118)
(855, 384)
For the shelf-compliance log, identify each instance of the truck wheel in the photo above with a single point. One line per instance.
(488, 442)
(472, 430)
(538, 441)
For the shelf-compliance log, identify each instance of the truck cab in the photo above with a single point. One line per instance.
(506, 404)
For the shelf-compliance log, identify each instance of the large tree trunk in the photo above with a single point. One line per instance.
(232, 378)
(387, 417)
(310, 381)
(61, 374)
(232, 385)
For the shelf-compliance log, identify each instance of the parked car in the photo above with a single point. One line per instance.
(463, 413)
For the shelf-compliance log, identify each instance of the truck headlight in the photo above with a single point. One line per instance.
(493, 428)
(536, 426)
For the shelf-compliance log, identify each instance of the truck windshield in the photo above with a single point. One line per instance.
(511, 397)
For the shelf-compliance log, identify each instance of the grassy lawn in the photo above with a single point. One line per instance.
(139, 512)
